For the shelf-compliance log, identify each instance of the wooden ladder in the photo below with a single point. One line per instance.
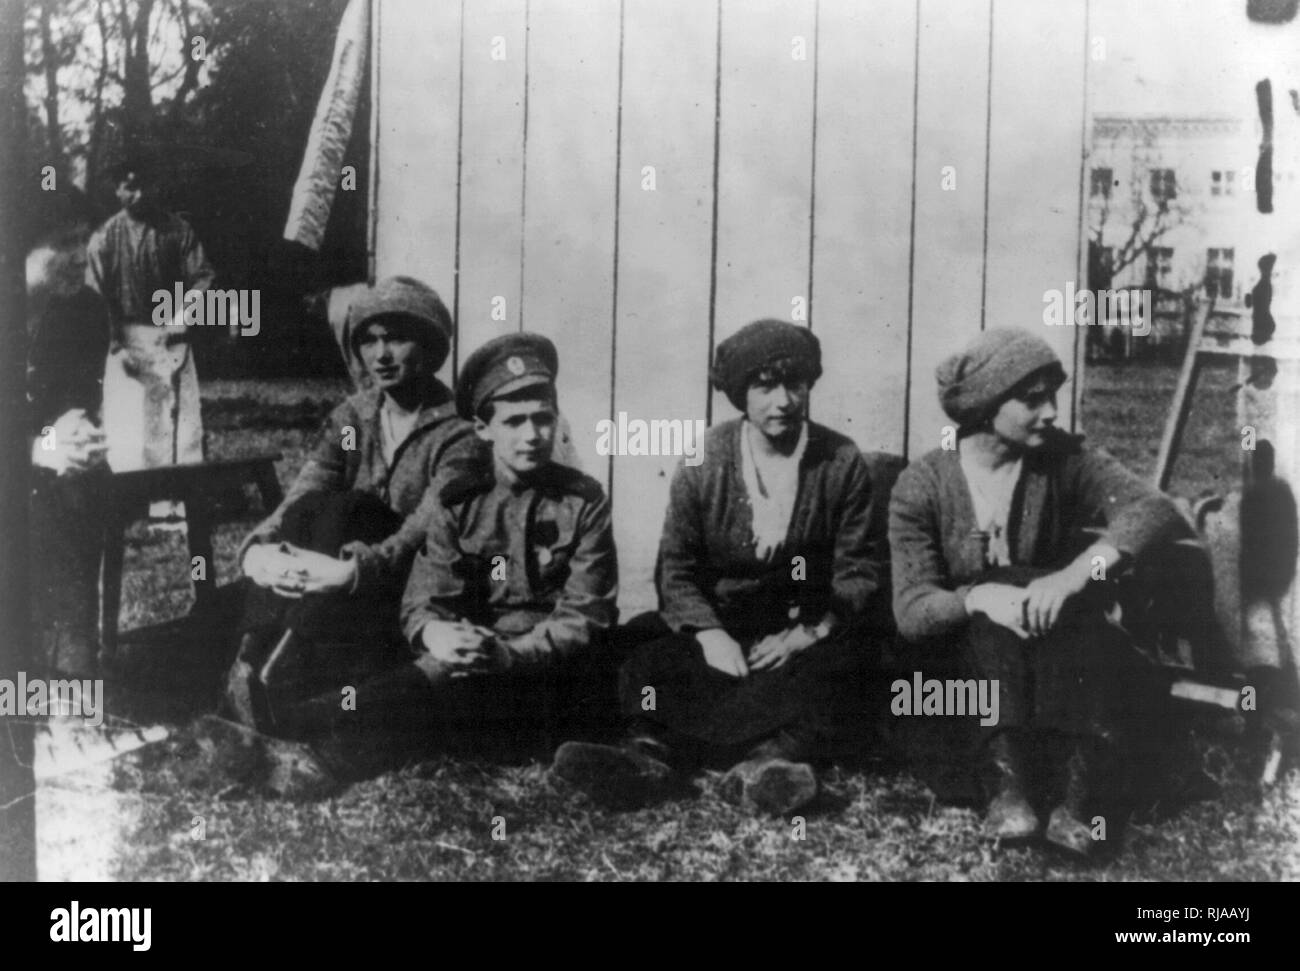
(1199, 348)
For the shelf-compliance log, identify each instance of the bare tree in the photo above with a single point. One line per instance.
(94, 143)
(137, 92)
(192, 65)
(1155, 207)
(1148, 216)
(50, 63)
(103, 67)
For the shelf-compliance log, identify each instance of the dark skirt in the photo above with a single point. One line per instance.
(337, 638)
(822, 697)
(1085, 679)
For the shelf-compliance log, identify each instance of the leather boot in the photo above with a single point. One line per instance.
(391, 717)
(630, 775)
(244, 698)
(245, 756)
(1010, 815)
(774, 777)
(1070, 825)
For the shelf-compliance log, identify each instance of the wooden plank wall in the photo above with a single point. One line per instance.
(640, 178)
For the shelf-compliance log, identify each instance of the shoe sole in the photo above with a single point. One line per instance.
(1006, 833)
(287, 769)
(238, 697)
(1070, 835)
(781, 787)
(609, 775)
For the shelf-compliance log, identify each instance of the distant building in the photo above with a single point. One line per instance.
(1168, 202)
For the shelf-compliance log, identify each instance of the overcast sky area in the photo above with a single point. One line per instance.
(1185, 57)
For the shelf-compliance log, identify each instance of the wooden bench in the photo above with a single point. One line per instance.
(197, 485)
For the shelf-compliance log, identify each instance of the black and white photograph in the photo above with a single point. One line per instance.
(646, 441)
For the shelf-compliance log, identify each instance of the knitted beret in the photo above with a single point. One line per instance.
(408, 298)
(976, 379)
(760, 346)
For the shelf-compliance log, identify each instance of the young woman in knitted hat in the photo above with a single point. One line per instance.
(329, 564)
(771, 577)
(993, 561)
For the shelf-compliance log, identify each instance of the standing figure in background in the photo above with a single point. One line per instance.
(151, 387)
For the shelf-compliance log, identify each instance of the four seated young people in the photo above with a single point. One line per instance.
(772, 576)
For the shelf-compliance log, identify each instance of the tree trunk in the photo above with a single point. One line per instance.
(137, 94)
(94, 145)
(190, 79)
(50, 63)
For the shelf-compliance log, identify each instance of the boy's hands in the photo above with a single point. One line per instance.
(463, 647)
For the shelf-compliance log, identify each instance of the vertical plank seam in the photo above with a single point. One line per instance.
(618, 196)
(713, 256)
(523, 178)
(911, 243)
(372, 258)
(812, 179)
(1080, 338)
(988, 155)
(457, 350)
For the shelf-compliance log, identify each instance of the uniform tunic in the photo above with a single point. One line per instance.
(533, 559)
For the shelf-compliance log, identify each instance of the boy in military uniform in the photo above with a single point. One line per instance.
(519, 572)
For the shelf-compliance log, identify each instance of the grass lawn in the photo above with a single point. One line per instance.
(439, 819)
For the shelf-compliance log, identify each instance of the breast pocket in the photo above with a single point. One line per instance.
(551, 550)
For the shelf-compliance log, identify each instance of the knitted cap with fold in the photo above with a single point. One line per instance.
(411, 300)
(974, 380)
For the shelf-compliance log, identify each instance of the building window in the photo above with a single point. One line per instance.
(1101, 265)
(1102, 180)
(1218, 273)
(1163, 186)
(1222, 182)
(1160, 265)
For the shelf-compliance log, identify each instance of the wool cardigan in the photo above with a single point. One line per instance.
(440, 444)
(708, 575)
(1064, 488)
